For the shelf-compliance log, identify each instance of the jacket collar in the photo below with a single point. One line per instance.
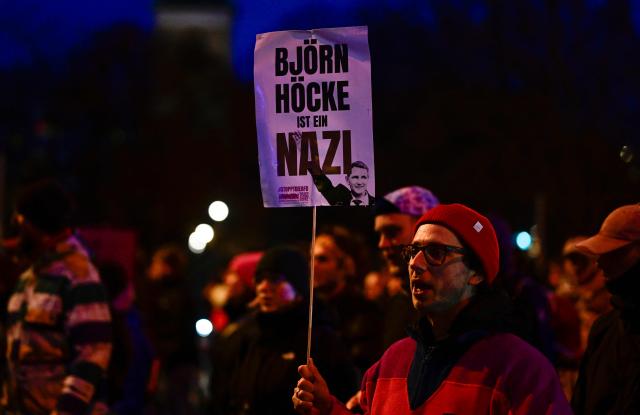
(489, 311)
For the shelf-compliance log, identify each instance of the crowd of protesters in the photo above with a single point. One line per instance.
(447, 323)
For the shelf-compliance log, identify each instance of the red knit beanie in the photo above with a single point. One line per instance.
(473, 229)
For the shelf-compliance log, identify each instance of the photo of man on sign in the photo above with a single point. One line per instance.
(313, 112)
(356, 194)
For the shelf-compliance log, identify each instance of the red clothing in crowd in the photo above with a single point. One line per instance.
(500, 374)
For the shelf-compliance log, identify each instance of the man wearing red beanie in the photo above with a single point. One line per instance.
(460, 359)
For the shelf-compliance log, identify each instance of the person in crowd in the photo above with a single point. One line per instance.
(395, 216)
(579, 299)
(461, 358)
(375, 286)
(255, 361)
(59, 325)
(565, 323)
(357, 194)
(129, 370)
(565, 319)
(609, 376)
(11, 267)
(588, 281)
(230, 300)
(532, 310)
(340, 258)
(169, 318)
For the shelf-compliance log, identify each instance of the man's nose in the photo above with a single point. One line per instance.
(263, 285)
(384, 242)
(418, 264)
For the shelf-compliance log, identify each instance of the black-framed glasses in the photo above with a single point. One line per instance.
(434, 253)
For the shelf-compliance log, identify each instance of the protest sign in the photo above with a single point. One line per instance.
(314, 117)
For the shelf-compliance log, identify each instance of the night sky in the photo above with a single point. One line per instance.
(520, 109)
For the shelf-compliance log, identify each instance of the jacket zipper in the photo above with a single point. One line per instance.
(423, 368)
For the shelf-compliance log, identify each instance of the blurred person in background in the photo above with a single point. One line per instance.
(230, 300)
(255, 361)
(609, 377)
(565, 323)
(11, 266)
(375, 286)
(580, 297)
(340, 260)
(532, 310)
(129, 370)
(395, 215)
(461, 357)
(59, 324)
(588, 284)
(169, 318)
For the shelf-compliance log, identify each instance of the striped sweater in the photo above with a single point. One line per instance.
(59, 335)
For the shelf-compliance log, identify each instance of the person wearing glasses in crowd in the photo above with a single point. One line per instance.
(395, 217)
(461, 357)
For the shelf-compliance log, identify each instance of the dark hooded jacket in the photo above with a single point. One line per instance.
(609, 378)
(255, 362)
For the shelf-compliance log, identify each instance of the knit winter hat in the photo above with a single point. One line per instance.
(288, 263)
(473, 229)
(244, 265)
(410, 200)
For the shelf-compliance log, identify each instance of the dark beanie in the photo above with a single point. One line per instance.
(46, 205)
(288, 263)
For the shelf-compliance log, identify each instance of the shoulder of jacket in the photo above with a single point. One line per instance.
(72, 263)
(80, 266)
(507, 352)
(602, 325)
(507, 344)
(401, 348)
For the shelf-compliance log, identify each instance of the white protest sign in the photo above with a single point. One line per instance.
(313, 117)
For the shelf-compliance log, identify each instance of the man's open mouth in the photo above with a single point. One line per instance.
(419, 287)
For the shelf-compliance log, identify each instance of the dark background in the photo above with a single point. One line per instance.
(145, 110)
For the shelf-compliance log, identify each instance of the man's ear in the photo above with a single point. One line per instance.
(475, 279)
